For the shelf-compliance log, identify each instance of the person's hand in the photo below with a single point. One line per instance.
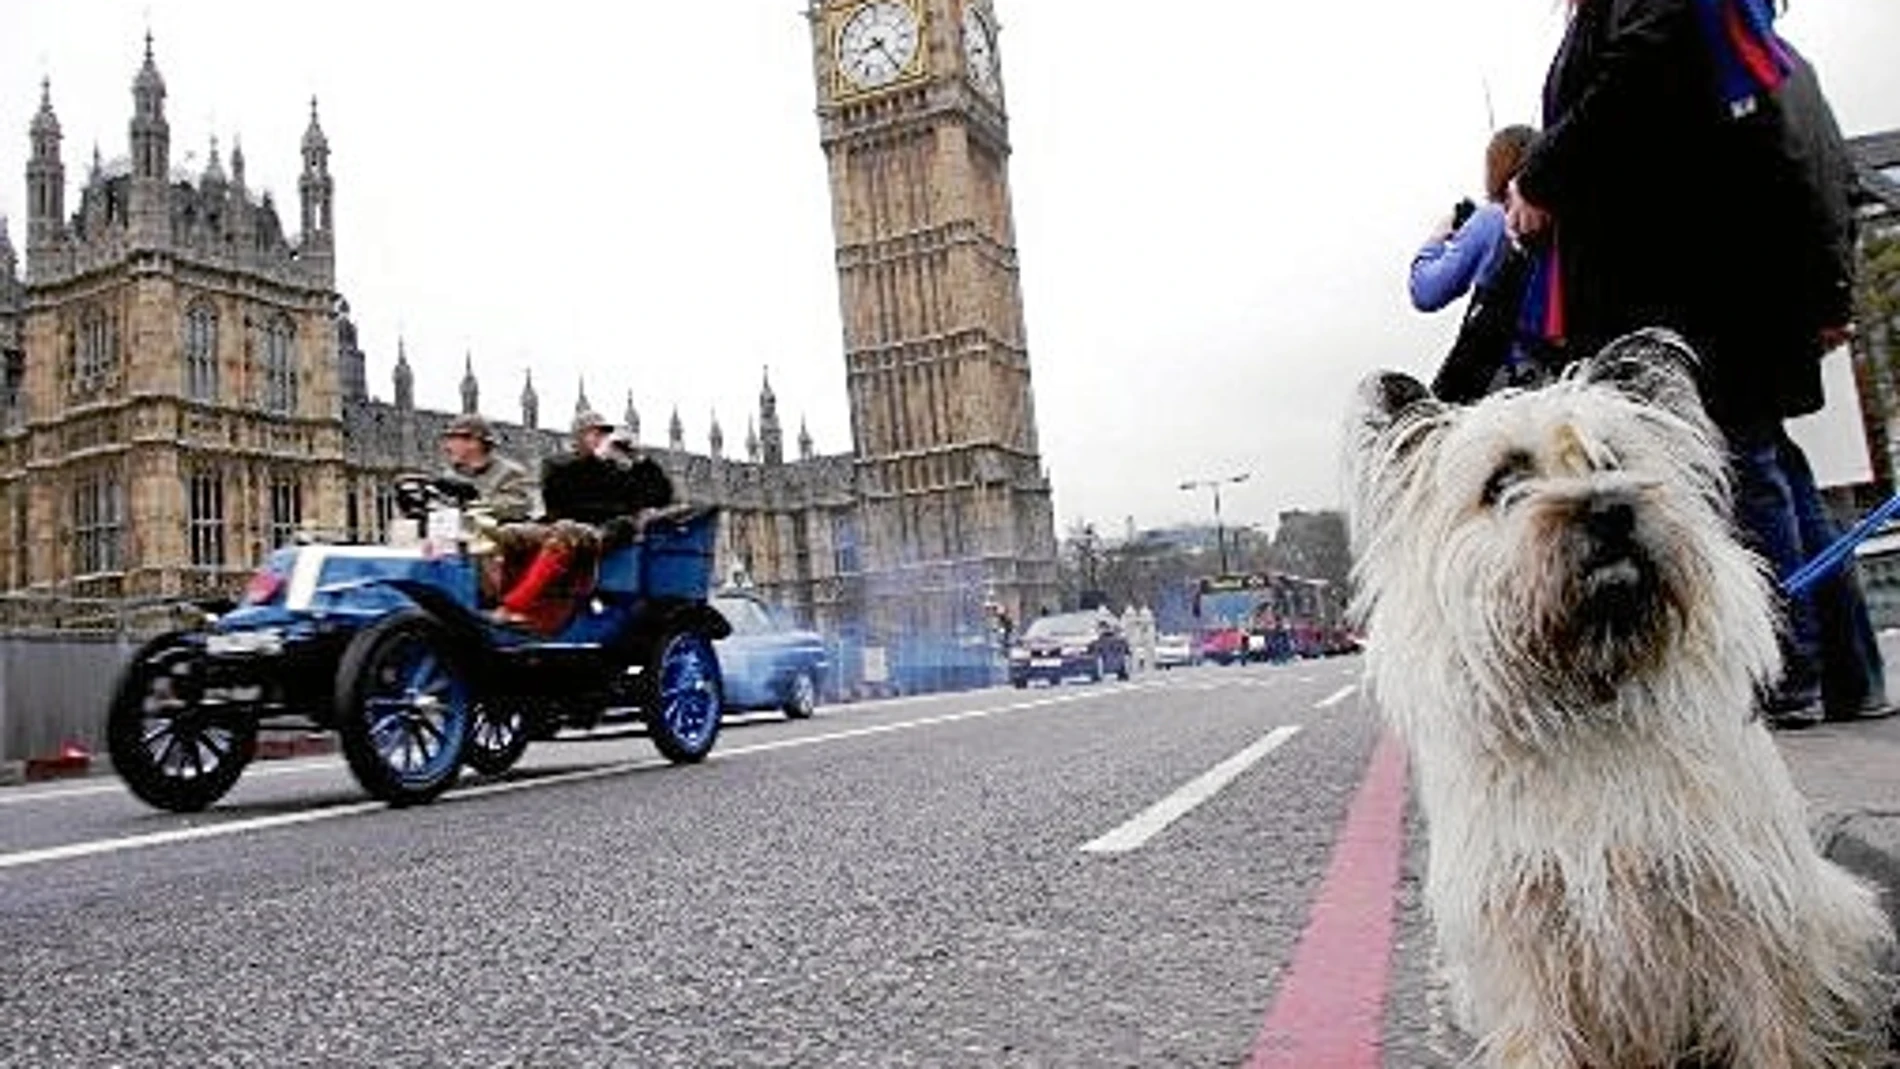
(1522, 217)
(1442, 230)
(1836, 336)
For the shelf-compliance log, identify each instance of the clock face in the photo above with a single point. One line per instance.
(878, 43)
(979, 52)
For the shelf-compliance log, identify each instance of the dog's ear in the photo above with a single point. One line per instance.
(1391, 418)
(1386, 398)
(1654, 365)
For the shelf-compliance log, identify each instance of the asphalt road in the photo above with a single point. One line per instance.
(1112, 875)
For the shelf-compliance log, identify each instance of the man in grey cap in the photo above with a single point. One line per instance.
(506, 488)
(603, 477)
(599, 481)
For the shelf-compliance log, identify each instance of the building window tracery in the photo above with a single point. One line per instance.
(280, 366)
(98, 520)
(19, 574)
(205, 491)
(286, 510)
(97, 346)
(201, 353)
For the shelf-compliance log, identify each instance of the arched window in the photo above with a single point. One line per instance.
(280, 366)
(201, 352)
(204, 492)
(98, 348)
(97, 523)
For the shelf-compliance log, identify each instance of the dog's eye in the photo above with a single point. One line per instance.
(1513, 470)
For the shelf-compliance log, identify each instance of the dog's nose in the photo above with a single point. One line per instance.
(1610, 519)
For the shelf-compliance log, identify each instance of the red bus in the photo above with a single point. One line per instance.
(1268, 616)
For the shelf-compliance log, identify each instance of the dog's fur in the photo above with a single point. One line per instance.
(1563, 628)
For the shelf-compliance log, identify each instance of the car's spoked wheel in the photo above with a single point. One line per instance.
(403, 708)
(176, 745)
(801, 696)
(684, 700)
(498, 737)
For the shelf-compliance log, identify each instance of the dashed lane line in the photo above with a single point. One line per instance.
(1153, 820)
(1337, 696)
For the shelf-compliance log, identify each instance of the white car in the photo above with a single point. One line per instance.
(1172, 651)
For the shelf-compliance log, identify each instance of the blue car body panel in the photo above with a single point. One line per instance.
(759, 665)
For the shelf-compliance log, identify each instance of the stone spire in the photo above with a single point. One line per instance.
(676, 432)
(317, 191)
(9, 263)
(405, 379)
(237, 162)
(630, 420)
(45, 181)
(580, 398)
(771, 435)
(151, 140)
(716, 437)
(471, 394)
(530, 404)
(804, 441)
(751, 441)
(214, 167)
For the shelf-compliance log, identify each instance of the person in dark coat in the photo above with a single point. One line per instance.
(603, 478)
(1689, 175)
(599, 481)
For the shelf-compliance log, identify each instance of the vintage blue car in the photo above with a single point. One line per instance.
(766, 663)
(389, 646)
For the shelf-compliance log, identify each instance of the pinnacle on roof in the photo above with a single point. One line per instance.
(44, 121)
(313, 139)
(149, 82)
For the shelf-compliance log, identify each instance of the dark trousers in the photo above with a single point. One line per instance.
(1828, 640)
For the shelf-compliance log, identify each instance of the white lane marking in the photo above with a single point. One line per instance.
(1337, 696)
(274, 768)
(1153, 820)
(70, 851)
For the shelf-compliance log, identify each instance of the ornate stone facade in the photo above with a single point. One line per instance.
(956, 508)
(182, 388)
(175, 409)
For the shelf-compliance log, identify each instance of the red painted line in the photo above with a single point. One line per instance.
(1330, 1010)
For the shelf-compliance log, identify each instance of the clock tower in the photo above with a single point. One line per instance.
(955, 507)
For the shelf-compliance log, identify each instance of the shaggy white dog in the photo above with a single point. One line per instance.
(1566, 633)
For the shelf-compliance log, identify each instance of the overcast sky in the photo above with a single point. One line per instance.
(1215, 202)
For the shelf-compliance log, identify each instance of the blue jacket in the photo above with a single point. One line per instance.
(1447, 268)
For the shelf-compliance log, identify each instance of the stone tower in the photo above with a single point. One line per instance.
(181, 374)
(956, 507)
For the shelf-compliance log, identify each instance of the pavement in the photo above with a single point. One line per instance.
(1850, 773)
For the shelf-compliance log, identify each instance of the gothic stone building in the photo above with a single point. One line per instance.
(183, 390)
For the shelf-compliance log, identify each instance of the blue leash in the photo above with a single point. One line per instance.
(1831, 558)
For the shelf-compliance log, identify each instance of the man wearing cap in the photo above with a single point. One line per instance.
(600, 480)
(506, 488)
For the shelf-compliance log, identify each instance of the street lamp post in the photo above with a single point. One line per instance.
(1220, 536)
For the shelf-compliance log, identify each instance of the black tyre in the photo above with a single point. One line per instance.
(404, 708)
(176, 745)
(801, 697)
(682, 697)
(498, 736)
